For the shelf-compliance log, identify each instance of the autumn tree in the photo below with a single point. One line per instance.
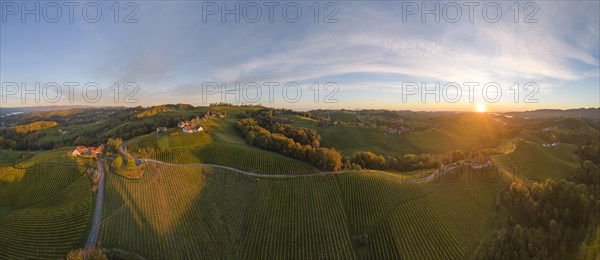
(91, 253)
(117, 162)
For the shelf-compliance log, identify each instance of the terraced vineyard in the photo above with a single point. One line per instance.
(203, 212)
(47, 212)
(242, 157)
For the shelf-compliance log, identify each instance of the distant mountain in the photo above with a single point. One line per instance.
(13, 110)
(589, 113)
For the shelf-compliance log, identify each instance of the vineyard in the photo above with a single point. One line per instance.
(205, 212)
(441, 219)
(23, 187)
(171, 141)
(48, 209)
(242, 157)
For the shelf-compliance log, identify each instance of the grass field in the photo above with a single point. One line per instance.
(9, 157)
(223, 146)
(202, 212)
(534, 162)
(170, 141)
(237, 156)
(221, 130)
(467, 131)
(52, 134)
(370, 139)
(45, 209)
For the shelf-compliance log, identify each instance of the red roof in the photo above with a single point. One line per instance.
(89, 150)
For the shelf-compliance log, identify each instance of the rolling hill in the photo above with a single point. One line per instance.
(205, 212)
(44, 207)
(533, 162)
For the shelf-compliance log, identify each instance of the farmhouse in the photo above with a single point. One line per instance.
(552, 145)
(400, 130)
(88, 151)
(185, 123)
(192, 129)
(479, 164)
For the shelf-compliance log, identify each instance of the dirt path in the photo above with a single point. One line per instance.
(263, 175)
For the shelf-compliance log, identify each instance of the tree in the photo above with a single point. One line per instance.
(117, 162)
(368, 160)
(87, 253)
(130, 165)
(115, 143)
(328, 159)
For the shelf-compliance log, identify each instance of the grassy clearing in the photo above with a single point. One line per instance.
(221, 130)
(466, 132)
(224, 130)
(349, 139)
(533, 162)
(9, 157)
(170, 141)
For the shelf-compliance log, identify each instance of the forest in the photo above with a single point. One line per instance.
(554, 219)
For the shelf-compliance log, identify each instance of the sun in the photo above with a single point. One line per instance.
(480, 108)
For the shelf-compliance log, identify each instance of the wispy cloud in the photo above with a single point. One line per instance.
(171, 51)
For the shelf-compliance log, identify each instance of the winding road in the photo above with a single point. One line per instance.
(97, 218)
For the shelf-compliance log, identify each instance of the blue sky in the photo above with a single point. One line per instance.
(370, 53)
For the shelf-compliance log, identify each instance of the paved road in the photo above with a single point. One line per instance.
(123, 151)
(97, 220)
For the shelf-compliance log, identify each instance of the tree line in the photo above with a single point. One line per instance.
(407, 162)
(34, 126)
(292, 142)
(322, 158)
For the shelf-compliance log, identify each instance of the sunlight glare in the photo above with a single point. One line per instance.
(480, 108)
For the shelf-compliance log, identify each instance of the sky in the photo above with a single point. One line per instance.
(302, 55)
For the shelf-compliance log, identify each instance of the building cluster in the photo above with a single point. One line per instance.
(479, 164)
(90, 151)
(64, 131)
(399, 130)
(189, 128)
(552, 145)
